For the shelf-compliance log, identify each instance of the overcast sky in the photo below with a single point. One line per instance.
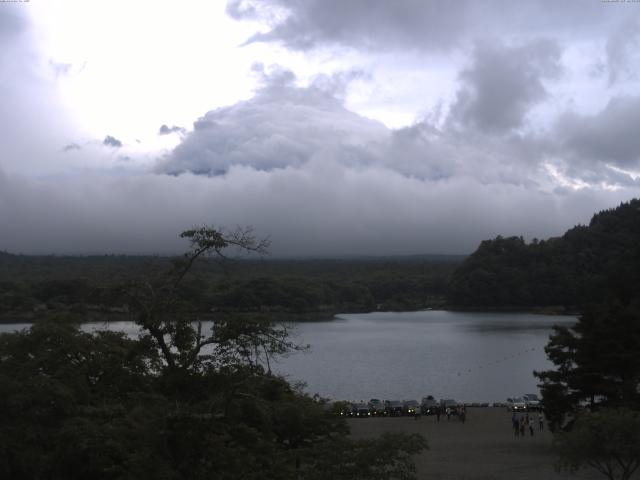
(336, 127)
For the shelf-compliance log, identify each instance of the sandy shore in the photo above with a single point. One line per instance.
(485, 447)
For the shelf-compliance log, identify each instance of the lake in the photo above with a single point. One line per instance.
(468, 356)
(474, 357)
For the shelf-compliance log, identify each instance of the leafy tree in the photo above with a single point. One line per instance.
(607, 441)
(597, 363)
(177, 402)
(387, 458)
(165, 314)
(587, 264)
(58, 388)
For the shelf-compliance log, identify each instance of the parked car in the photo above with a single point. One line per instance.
(393, 408)
(451, 404)
(516, 404)
(360, 410)
(376, 407)
(532, 401)
(340, 408)
(428, 405)
(410, 407)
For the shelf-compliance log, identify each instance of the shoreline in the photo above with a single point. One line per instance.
(27, 318)
(535, 310)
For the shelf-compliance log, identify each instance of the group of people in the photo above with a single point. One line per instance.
(460, 411)
(523, 424)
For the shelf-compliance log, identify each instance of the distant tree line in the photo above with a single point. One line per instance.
(586, 264)
(90, 284)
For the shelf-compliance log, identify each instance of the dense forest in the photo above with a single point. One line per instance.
(587, 264)
(304, 288)
(178, 402)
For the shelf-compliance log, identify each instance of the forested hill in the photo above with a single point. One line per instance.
(587, 264)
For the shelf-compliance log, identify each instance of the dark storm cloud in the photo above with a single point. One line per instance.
(110, 141)
(503, 83)
(427, 152)
(70, 146)
(166, 130)
(315, 22)
(414, 24)
(610, 136)
(324, 208)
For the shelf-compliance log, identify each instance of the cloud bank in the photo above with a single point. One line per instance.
(321, 209)
(321, 180)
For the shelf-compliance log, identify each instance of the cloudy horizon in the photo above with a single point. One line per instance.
(333, 127)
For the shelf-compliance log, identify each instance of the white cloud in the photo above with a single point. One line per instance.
(282, 125)
(286, 125)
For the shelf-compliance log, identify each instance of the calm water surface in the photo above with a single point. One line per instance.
(480, 357)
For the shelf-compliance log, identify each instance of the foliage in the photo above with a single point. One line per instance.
(175, 403)
(597, 363)
(608, 441)
(165, 312)
(59, 384)
(587, 264)
(387, 458)
(88, 285)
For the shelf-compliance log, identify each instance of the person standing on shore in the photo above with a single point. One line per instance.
(540, 422)
(438, 413)
(515, 424)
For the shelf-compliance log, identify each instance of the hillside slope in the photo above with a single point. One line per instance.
(587, 264)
